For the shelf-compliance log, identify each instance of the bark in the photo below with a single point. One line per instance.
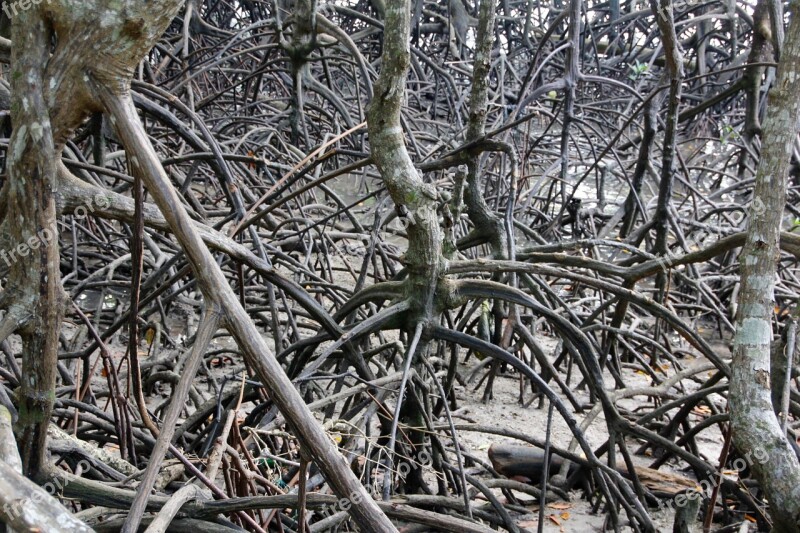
(755, 426)
(99, 44)
(632, 202)
(572, 76)
(487, 225)
(31, 221)
(25, 506)
(414, 199)
(236, 141)
(761, 51)
(215, 289)
(674, 71)
(205, 333)
(50, 98)
(302, 44)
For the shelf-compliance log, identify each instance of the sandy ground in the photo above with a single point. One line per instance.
(505, 411)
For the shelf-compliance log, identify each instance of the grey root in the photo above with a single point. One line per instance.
(355, 216)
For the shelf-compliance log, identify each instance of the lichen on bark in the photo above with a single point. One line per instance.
(755, 425)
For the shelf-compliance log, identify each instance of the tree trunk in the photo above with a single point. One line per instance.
(487, 225)
(30, 220)
(415, 200)
(98, 44)
(674, 71)
(756, 431)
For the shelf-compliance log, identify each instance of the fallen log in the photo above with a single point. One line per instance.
(527, 462)
(24, 505)
(524, 462)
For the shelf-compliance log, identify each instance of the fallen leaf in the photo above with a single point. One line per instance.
(560, 506)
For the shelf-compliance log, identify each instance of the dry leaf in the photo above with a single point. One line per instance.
(559, 506)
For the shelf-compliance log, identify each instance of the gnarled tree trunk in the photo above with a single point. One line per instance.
(98, 44)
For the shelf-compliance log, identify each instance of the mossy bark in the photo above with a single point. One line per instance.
(755, 426)
(72, 59)
(414, 199)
